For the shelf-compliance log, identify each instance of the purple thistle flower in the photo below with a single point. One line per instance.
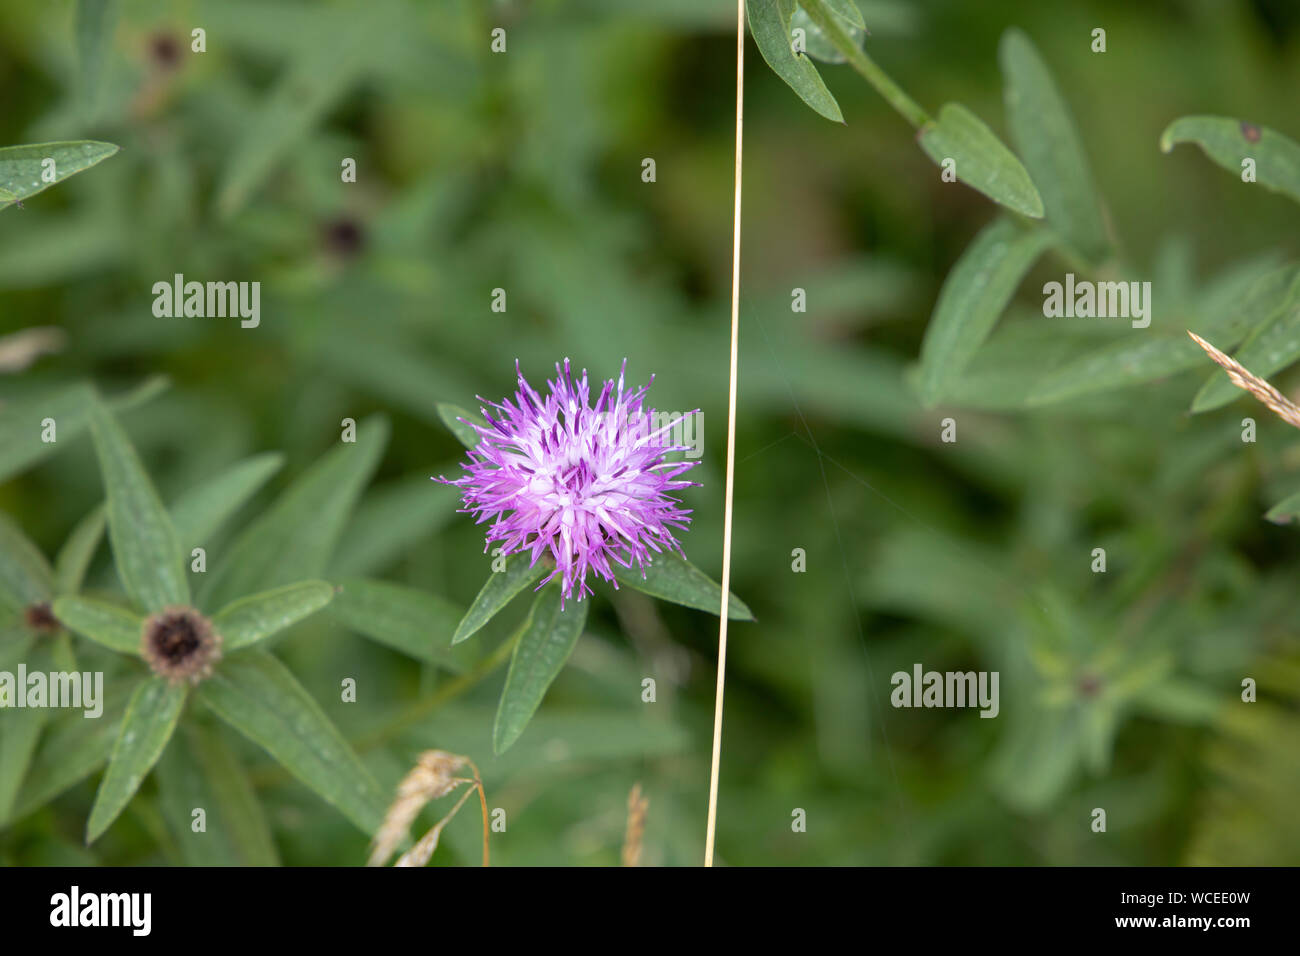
(589, 485)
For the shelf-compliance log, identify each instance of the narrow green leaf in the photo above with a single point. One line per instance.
(25, 575)
(672, 578)
(114, 627)
(16, 641)
(411, 621)
(981, 160)
(1285, 511)
(817, 44)
(295, 538)
(392, 519)
(142, 394)
(259, 697)
(546, 640)
(848, 13)
(769, 23)
(144, 542)
(199, 512)
(451, 416)
(72, 748)
(1272, 310)
(74, 557)
(1045, 135)
(203, 771)
(973, 296)
(1180, 701)
(19, 731)
(498, 591)
(95, 20)
(258, 616)
(1134, 360)
(1229, 142)
(22, 173)
(318, 76)
(22, 424)
(150, 719)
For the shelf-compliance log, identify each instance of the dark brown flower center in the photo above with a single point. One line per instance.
(40, 618)
(344, 238)
(165, 50)
(1089, 685)
(180, 644)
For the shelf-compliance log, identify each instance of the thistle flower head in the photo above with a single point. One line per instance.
(588, 484)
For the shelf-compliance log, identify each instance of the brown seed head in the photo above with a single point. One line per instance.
(165, 50)
(40, 618)
(180, 644)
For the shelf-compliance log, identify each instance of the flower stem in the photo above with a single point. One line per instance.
(866, 67)
(447, 692)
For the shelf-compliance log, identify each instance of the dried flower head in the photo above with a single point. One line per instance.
(180, 644)
(588, 484)
(40, 618)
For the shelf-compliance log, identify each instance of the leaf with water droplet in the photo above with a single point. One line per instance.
(22, 167)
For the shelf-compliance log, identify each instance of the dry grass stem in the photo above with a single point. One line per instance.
(637, 806)
(1282, 406)
(434, 776)
(20, 349)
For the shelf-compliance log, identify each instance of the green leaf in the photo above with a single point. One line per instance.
(1272, 309)
(1134, 360)
(16, 641)
(21, 425)
(451, 416)
(144, 542)
(1229, 141)
(25, 575)
(1045, 135)
(498, 591)
(1285, 511)
(21, 172)
(199, 512)
(546, 640)
(982, 161)
(320, 74)
(390, 520)
(414, 622)
(1179, 701)
(21, 444)
(114, 627)
(672, 578)
(258, 616)
(817, 44)
(19, 731)
(294, 539)
(95, 19)
(72, 749)
(973, 296)
(256, 694)
(205, 772)
(150, 719)
(769, 22)
(74, 557)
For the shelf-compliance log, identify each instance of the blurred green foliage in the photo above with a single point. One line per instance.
(522, 171)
